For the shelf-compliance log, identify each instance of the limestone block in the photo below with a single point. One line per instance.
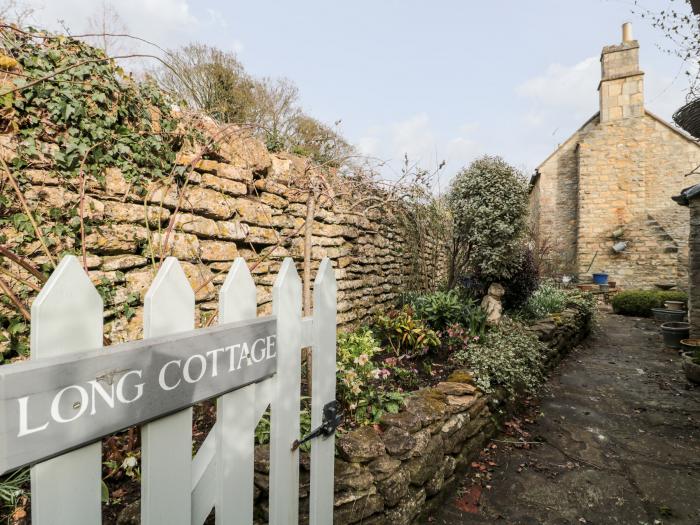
(276, 188)
(361, 445)
(253, 212)
(275, 201)
(241, 150)
(232, 230)
(224, 185)
(217, 250)
(201, 226)
(200, 278)
(136, 213)
(395, 487)
(184, 246)
(234, 173)
(123, 262)
(114, 182)
(208, 203)
(116, 238)
(41, 177)
(59, 197)
(258, 235)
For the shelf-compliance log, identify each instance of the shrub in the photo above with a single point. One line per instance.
(508, 356)
(439, 309)
(547, 299)
(640, 302)
(405, 333)
(523, 282)
(489, 202)
(472, 286)
(584, 302)
(359, 379)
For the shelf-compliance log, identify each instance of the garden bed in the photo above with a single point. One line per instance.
(415, 414)
(395, 470)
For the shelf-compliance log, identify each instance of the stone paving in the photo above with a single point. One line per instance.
(621, 433)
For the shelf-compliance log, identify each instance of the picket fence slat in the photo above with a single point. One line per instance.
(323, 381)
(235, 413)
(204, 479)
(176, 488)
(166, 444)
(67, 318)
(284, 430)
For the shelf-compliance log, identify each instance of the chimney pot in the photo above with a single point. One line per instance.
(627, 32)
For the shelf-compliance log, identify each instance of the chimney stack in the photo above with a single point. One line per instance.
(622, 83)
(627, 32)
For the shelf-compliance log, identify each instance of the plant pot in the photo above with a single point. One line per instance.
(667, 316)
(675, 305)
(690, 345)
(600, 278)
(612, 284)
(665, 286)
(691, 368)
(673, 333)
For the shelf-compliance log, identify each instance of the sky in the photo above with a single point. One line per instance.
(435, 80)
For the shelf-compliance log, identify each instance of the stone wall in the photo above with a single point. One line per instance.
(612, 181)
(617, 178)
(694, 267)
(628, 171)
(398, 473)
(242, 202)
(553, 203)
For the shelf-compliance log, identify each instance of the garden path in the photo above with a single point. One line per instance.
(621, 427)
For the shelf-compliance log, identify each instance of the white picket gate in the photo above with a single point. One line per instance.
(67, 317)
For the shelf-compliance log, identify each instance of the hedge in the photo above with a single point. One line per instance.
(640, 302)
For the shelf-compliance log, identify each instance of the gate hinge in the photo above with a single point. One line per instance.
(330, 422)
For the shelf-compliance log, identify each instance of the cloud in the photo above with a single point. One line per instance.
(417, 137)
(571, 89)
(168, 23)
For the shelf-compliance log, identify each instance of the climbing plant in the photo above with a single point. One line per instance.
(72, 112)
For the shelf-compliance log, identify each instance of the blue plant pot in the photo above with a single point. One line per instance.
(600, 278)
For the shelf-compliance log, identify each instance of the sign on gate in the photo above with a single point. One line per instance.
(49, 406)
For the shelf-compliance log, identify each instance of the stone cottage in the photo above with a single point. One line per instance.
(601, 200)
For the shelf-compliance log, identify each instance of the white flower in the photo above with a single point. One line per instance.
(362, 360)
(130, 462)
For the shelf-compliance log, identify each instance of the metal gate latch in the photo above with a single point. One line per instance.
(329, 424)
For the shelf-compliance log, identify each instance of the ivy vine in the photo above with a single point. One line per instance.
(73, 112)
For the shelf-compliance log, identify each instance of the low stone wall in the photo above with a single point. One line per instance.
(397, 473)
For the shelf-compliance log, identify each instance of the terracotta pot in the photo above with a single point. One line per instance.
(673, 333)
(690, 345)
(675, 305)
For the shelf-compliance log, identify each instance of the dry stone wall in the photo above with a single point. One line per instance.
(244, 202)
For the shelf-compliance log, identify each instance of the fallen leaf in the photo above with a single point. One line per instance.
(469, 502)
